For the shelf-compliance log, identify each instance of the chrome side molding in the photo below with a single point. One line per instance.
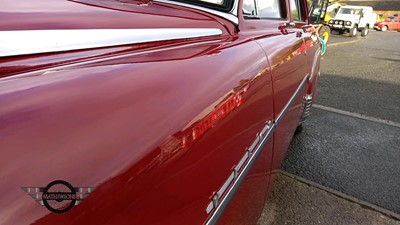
(307, 107)
(290, 102)
(222, 197)
(24, 42)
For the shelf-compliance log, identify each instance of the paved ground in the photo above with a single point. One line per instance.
(363, 77)
(354, 156)
(299, 203)
(346, 153)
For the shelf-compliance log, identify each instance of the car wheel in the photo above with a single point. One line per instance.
(364, 32)
(353, 32)
(384, 28)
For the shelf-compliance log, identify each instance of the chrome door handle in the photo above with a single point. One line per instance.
(284, 26)
(289, 25)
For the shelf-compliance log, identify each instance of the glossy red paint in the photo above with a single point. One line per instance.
(156, 127)
(391, 23)
(220, 112)
(120, 120)
(91, 14)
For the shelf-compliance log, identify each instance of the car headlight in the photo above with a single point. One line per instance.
(330, 21)
(336, 22)
(341, 22)
(348, 23)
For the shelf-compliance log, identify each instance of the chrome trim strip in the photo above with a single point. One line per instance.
(255, 142)
(221, 205)
(210, 207)
(23, 42)
(98, 60)
(290, 102)
(244, 158)
(233, 18)
(235, 8)
(237, 175)
(307, 107)
(222, 190)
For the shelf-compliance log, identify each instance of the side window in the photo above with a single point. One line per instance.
(269, 9)
(249, 8)
(297, 10)
(294, 11)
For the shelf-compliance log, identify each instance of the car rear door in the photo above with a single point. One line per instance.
(396, 23)
(391, 24)
(286, 50)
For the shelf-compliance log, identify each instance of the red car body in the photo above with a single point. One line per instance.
(185, 126)
(390, 23)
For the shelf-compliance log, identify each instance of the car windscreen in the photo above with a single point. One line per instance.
(350, 11)
(221, 5)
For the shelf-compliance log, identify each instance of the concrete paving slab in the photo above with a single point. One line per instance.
(294, 201)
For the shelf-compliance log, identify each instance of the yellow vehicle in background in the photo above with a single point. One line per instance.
(319, 17)
(380, 18)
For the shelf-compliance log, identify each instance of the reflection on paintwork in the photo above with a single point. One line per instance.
(194, 130)
(155, 127)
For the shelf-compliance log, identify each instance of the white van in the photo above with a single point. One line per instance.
(351, 19)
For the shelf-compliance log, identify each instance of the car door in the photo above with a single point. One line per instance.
(391, 24)
(285, 47)
(195, 127)
(396, 25)
(255, 26)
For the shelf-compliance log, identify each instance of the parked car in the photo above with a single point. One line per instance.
(351, 19)
(149, 112)
(390, 23)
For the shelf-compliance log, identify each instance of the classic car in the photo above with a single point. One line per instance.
(390, 23)
(149, 112)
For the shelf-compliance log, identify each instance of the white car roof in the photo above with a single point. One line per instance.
(356, 7)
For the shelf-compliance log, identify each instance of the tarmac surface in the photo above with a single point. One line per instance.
(362, 76)
(350, 145)
(358, 157)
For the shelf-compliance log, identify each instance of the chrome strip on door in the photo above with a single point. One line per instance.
(23, 42)
(222, 197)
(220, 202)
(290, 102)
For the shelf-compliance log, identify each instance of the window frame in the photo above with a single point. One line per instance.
(226, 7)
(302, 11)
(251, 17)
(282, 11)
